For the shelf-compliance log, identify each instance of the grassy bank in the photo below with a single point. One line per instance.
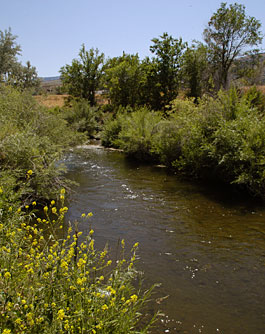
(220, 138)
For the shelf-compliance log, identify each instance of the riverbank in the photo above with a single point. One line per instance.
(52, 279)
(220, 139)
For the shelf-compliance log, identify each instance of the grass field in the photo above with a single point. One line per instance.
(51, 101)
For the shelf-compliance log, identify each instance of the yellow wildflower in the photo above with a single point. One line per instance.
(134, 298)
(7, 275)
(104, 307)
(6, 331)
(60, 314)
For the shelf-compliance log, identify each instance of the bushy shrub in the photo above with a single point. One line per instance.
(137, 131)
(82, 117)
(110, 131)
(223, 138)
(256, 98)
(31, 138)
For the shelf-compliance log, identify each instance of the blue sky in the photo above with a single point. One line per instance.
(51, 32)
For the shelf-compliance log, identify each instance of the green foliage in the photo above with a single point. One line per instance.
(123, 80)
(137, 130)
(228, 33)
(256, 98)
(51, 284)
(81, 117)
(9, 51)
(31, 138)
(225, 139)
(196, 70)
(11, 70)
(221, 138)
(82, 77)
(168, 60)
(133, 132)
(111, 130)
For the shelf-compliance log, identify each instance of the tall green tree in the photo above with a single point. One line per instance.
(11, 70)
(230, 31)
(196, 70)
(82, 77)
(168, 53)
(9, 50)
(24, 76)
(123, 78)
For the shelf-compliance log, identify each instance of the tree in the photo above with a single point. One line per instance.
(168, 52)
(82, 77)
(24, 76)
(196, 70)
(11, 70)
(9, 50)
(228, 34)
(124, 79)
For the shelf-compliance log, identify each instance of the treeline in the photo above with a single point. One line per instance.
(195, 70)
(217, 132)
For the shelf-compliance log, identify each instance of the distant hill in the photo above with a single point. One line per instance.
(50, 84)
(50, 78)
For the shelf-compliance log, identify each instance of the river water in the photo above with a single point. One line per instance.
(203, 244)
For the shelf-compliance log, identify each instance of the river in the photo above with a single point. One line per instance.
(205, 245)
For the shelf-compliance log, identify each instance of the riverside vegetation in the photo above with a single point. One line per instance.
(219, 138)
(54, 281)
(51, 280)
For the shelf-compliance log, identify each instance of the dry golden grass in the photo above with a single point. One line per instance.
(51, 101)
(259, 87)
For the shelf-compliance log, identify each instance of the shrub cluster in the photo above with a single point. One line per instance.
(222, 138)
(81, 117)
(31, 138)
